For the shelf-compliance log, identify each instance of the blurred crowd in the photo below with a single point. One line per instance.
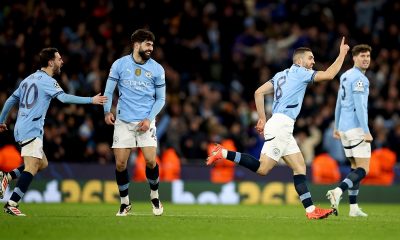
(215, 54)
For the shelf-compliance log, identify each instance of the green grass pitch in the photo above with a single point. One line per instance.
(98, 221)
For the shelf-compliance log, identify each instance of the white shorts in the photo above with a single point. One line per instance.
(354, 144)
(33, 148)
(278, 135)
(127, 136)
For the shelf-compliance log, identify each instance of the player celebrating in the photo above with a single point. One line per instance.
(351, 126)
(141, 85)
(33, 96)
(289, 87)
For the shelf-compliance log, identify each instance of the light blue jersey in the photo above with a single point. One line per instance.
(289, 89)
(352, 101)
(141, 89)
(34, 95)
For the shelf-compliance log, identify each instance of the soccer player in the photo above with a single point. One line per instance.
(351, 126)
(289, 87)
(33, 97)
(141, 85)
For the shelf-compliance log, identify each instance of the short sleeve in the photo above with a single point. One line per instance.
(307, 75)
(114, 71)
(359, 86)
(160, 78)
(52, 88)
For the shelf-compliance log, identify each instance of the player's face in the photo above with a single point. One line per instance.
(308, 60)
(57, 63)
(362, 60)
(145, 49)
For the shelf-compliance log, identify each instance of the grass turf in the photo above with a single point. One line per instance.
(98, 221)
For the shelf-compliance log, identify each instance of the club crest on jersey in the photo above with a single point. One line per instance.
(148, 74)
(359, 86)
(138, 71)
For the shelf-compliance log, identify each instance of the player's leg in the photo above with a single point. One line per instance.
(32, 153)
(6, 177)
(262, 166)
(123, 141)
(296, 162)
(355, 210)
(153, 178)
(122, 179)
(147, 141)
(32, 165)
(277, 132)
(354, 147)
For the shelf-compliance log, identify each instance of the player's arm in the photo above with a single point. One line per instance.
(259, 96)
(68, 98)
(144, 125)
(337, 118)
(332, 70)
(360, 104)
(159, 103)
(111, 84)
(11, 101)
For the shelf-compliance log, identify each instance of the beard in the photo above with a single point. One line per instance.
(56, 70)
(143, 55)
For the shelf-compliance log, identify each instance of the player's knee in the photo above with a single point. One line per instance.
(43, 165)
(120, 166)
(263, 171)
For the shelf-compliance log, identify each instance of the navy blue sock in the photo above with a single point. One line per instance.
(244, 159)
(153, 177)
(300, 185)
(352, 179)
(17, 172)
(353, 192)
(22, 186)
(122, 182)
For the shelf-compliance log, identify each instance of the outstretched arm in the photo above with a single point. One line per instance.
(331, 72)
(68, 98)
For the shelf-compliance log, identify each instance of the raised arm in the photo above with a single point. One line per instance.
(333, 69)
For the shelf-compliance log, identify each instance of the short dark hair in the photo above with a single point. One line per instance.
(142, 35)
(357, 49)
(300, 51)
(46, 55)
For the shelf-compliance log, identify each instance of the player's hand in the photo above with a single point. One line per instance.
(344, 48)
(98, 99)
(336, 134)
(260, 126)
(3, 127)
(109, 118)
(144, 125)
(368, 138)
